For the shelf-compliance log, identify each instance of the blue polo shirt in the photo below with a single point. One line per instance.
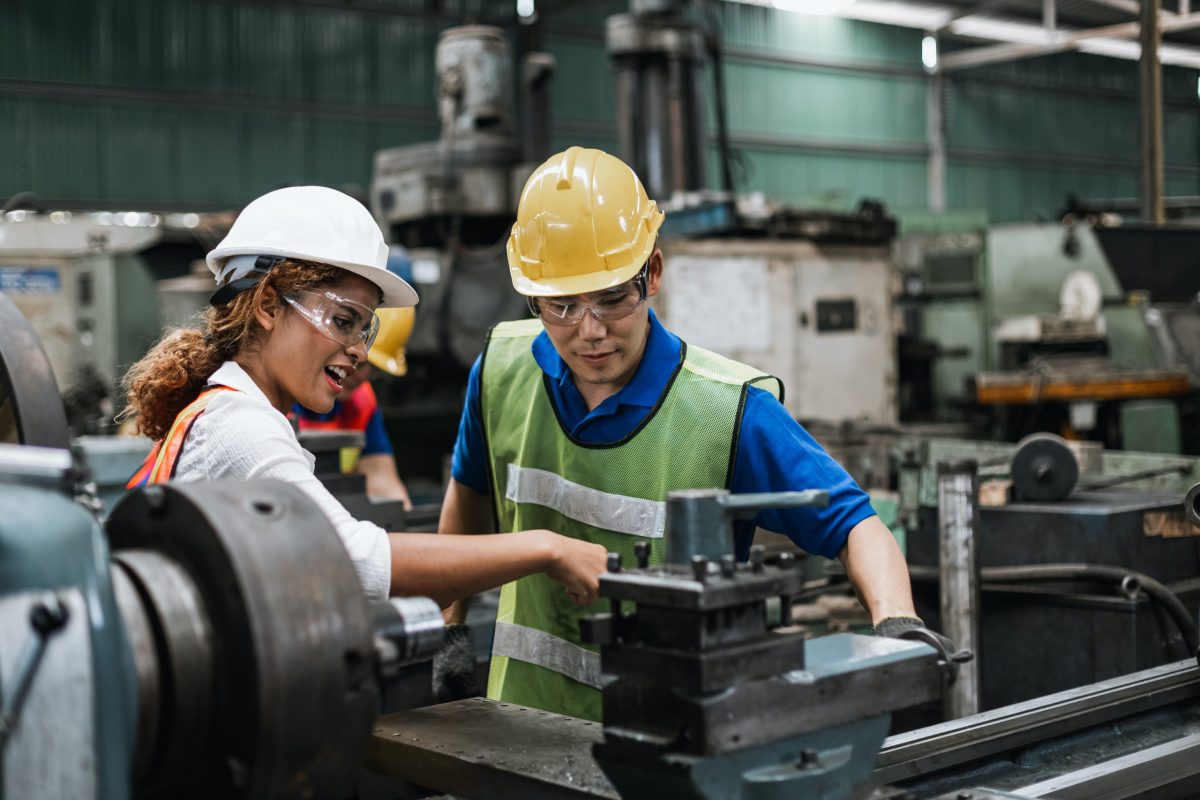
(774, 452)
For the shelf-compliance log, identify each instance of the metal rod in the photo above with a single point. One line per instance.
(935, 132)
(1150, 102)
(1133, 775)
(1050, 17)
(939, 747)
(958, 521)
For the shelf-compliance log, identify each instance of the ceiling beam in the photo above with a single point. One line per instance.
(1131, 7)
(1062, 41)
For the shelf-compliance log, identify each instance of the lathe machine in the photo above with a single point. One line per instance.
(211, 640)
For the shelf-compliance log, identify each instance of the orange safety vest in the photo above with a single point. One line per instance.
(160, 465)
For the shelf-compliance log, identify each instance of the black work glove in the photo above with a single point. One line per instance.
(913, 629)
(454, 666)
(892, 627)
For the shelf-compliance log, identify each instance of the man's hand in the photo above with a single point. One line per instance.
(913, 629)
(577, 565)
(454, 675)
(892, 627)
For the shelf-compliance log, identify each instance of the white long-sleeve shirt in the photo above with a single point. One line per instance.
(241, 436)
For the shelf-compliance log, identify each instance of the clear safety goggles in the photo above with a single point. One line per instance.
(606, 306)
(343, 320)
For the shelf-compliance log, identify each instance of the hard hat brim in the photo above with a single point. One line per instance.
(573, 284)
(397, 293)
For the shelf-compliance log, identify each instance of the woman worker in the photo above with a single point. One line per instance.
(299, 277)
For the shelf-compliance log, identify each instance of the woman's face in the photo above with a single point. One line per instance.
(302, 362)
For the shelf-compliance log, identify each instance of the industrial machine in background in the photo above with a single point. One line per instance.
(216, 638)
(1088, 557)
(87, 282)
(450, 204)
(1085, 327)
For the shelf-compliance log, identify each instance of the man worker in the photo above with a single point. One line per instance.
(582, 419)
(357, 409)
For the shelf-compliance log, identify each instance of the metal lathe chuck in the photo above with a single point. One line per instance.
(225, 649)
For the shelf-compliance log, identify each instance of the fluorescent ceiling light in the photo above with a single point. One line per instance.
(929, 53)
(817, 7)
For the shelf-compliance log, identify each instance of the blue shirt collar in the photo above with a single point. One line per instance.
(659, 360)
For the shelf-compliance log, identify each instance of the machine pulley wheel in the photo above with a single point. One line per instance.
(274, 602)
(1043, 468)
(31, 407)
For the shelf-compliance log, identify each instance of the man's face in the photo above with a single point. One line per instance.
(604, 355)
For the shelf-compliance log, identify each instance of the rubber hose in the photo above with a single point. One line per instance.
(1155, 590)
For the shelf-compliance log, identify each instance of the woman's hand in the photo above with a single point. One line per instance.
(577, 565)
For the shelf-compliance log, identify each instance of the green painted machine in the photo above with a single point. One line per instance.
(1074, 327)
(210, 640)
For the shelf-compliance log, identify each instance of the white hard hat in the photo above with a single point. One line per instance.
(314, 223)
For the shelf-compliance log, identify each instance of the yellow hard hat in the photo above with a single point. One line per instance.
(584, 224)
(387, 353)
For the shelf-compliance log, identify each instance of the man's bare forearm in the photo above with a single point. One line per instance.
(464, 511)
(878, 571)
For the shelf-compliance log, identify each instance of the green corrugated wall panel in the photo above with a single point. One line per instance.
(64, 144)
(212, 156)
(335, 149)
(1181, 135)
(796, 102)
(16, 157)
(1013, 194)
(266, 57)
(138, 155)
(208, 102)
(1014, 118)
(199, 46)
(404, 57)
(583, 88)
(338, 56)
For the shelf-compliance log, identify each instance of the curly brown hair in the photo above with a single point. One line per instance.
(173, 373)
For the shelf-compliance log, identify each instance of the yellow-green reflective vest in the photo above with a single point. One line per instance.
(610, 494)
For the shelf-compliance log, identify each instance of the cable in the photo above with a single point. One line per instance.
(1129, 580)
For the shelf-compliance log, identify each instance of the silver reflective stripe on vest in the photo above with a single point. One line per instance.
(612, 512)
(547, 650)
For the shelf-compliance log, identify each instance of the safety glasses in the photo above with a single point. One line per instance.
(343, 320)
(606, 306)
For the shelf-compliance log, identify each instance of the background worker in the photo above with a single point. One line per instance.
(584, 418)
(299, 277)
(357, 409)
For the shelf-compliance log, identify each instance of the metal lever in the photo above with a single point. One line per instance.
(698, 520)
(45, 619)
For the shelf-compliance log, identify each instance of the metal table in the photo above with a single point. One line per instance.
(484, 749)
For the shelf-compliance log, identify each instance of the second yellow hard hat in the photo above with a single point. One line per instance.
(395, 327)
